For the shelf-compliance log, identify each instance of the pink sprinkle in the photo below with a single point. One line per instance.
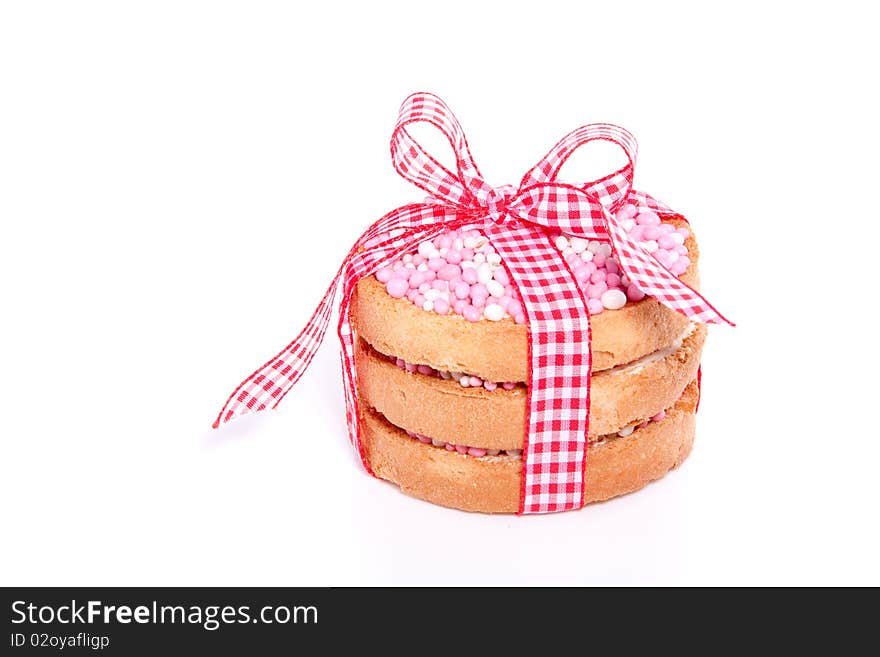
(469, 275)
(613, 280)
(461, 449)
(643, 424)
(419, 300)
(666, 242)
(501, 276)
(396, 287)
(599, 260)
(450, 447)
(647, 218)
(514, 308)
(453, 256)
(519, 319)
(597, 276)
(508, 385)
(476, 451)
(416, 279)
(424, 369)
(384, 275)
(658, 417)
(594, 306)
(441, 285)
(479, 290)
(441, 306)
(424, 439)
(471, 313)
(582, 274)
(418, 259)
(462, 290)
(435, 264)
(448, 272)
(444, 242)
(489, 385)
(596, 290)
(650, 233)
(467, 254)
(424, 287)
(475, 381)
(410, 367)
(633, 293)
(612, 267)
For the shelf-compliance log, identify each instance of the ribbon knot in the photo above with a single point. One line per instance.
(520, 223)
(496, 202)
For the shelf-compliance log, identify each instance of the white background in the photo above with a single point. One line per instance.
(179, 180)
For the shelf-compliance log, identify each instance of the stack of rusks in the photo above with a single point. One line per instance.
(442, 368)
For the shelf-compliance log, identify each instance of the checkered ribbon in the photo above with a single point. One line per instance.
(520, 223)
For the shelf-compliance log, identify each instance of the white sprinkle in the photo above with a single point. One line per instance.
(422, 267)
(578, 244)
(410, 265)
(443, 251)
(678, 238)
(493, 259)
(484, 272)
(407, 258)
(516, 453)
(493, 312)
(470, 242)
(467, 264)
(479, 258)
(586, 256)
(562, 242)
(593, 246)
(437, 443)
(458, 244)
(613, 299)
(650, 246)
(465, 381)
(432, 294)
(427, 250)
(493, 452)
(623, 433)
(567, 252)
(627, 224)
(673, 256)
(445, 375)
(495, 288)
(428, 306)
(605, 250)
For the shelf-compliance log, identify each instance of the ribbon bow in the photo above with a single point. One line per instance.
(520, 223)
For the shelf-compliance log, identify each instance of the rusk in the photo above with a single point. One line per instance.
(492, 484)
(498, 351)
(476, 417)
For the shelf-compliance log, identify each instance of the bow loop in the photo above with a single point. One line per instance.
(418, 166)
(610, 191)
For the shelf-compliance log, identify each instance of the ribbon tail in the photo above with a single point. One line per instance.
(657, 281)
(380, 243)
(266, 387)
(555, 443)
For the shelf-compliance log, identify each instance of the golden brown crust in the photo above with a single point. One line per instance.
(498, 351)
(476, 417)
(492, 484)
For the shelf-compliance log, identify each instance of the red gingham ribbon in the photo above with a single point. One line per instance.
(520, 223)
